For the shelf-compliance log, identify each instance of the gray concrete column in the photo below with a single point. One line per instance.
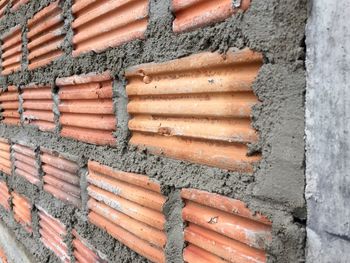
(328, 131)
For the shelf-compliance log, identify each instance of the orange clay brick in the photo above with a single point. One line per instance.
(38, 107)
(9, 104)
(129, 207)
(25, 163)
(5, 159)
(22, 211)
(221, 229)
(3, 5)
(122, 21)
(4, 196)
(11, 49)
(45, 35)
(61, 177)
(83, 252)
(16, 4)
(196, 108)
(86, 108)
(193, 14)
(52, 234)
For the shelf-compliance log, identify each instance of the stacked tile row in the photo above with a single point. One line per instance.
(61, 178)
(196, 108)
(129, 207)
(25, 163)
(9, 105)
(38, 106)
(122, 22)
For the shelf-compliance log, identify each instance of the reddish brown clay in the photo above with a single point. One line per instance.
(45, 36)
(86, 108)
(11, 50)
(129, 207)
(224, 228)
(52, 234)
(9, 104)
(122, 21)
(192, 14)
(4, 195)
(196, 108)
(22, 211)
(61, 177)
(33, 113)
(5, 160)
(25, 164)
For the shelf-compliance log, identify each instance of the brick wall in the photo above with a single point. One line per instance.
(166, 131)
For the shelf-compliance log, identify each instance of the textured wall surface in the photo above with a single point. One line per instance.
(124, 105)
(327, 132)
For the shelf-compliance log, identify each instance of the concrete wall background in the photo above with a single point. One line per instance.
(327, 131)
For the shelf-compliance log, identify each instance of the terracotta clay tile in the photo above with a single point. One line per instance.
(122, 21)
(140, 246)
(83, 252)
(37, 107)
(45, 36)
(223, 203)
(5, 160)
(86, 108)
(61, 178)
(53, 233)
(25, 163)
(196, 108)
(11, 50)
(224, 228)
(3, 5)
(192, 14)
(9, 105)
(22, 211)
(4, 196)
(195, 254)
(129, 207)
(16, 4)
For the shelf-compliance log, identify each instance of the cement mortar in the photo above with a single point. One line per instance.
(273, 27)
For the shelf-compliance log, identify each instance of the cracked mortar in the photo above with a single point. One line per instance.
(274, 28)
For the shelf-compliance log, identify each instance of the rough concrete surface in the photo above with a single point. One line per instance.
(327, 132)
(273, 27)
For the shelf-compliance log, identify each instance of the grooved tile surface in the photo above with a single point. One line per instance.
(52, 234)
(5, 157)
(11, 50)
(16, 4)
(83, 252)
(86, 108)
(25, 163)
(129, 207)
(38, 107)
(196, 108)
(22, 211)
(61, 177)
(4, 195)
(221, 229)
(121, 21)
(45, 35)
(3, 5)
(9, 104)
(192, 14)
